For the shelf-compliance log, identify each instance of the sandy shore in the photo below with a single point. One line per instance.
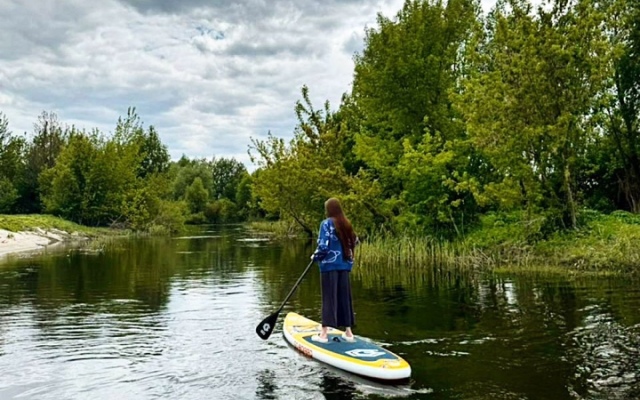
(16, 242)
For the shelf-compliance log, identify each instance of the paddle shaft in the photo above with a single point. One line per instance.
(265, 327)
(293, 289)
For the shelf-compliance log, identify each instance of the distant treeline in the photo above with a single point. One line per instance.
(125, 180)
(454, 117)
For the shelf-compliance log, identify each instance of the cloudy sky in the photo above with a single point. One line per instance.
(209, 75)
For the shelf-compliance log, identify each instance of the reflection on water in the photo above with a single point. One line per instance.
(607, 356)
(175, 318)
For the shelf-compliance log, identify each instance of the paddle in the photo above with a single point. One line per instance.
(265, 327)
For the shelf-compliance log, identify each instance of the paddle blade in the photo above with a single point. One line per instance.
(265, 327)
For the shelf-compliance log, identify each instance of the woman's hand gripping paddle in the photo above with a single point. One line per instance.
(265, 327)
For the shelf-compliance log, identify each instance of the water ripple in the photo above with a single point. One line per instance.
(607, 358)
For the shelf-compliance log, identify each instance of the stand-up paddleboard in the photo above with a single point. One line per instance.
(359, 357)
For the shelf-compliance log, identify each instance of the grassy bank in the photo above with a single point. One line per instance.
(604, 244)
(21, 223)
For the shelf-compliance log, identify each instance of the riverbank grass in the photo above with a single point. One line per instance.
(603, 244)
(29, 222)
(606, 242)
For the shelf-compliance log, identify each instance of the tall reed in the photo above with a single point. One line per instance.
(405, 254)
(423, 252)
(411, 253)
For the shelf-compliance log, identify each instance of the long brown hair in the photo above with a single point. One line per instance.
(344, 230)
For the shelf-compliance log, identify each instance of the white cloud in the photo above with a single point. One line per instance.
(207, 74)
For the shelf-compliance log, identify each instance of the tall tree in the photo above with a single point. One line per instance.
(11, 165)
(226, 176)
(154, 155)
(410, 135)
(67, 186)
(186, 171)
(297, 177)
(244, 199)
(620, 146)
(95, 178)
(197, 196)
(49, 139)
(529, 104)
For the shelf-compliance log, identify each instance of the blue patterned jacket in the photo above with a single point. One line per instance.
(329, 250)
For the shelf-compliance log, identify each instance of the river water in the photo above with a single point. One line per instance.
(174, 318)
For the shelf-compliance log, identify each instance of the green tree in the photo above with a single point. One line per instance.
(618, 158)
(528, 104)
(283, 185)
(154, 154)
(221, 211)
(11, 166)
(41, 154)
(186, 171)
(297, 177)
(95, 179)
(144, 204)
(66, 186)
(244, 199)
(410, 137)
(226, 176)
(8, 195)
(197, 196)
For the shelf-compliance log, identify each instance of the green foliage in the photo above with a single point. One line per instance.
(509, 242)
(221, 211)
(91, 179)
(10, 166)
(459, 124)
(226, 176)
(41, 154)
(155, 157)
(198, 218)
(143, 206)
(504, 229)
(67, 186)
(8, 195)
(244, 200)
(288, 183)
(528, 101)
(186, 171)
(402, 78)
(11, 152)
(120, 180)
(196, 196)
(605, 242)
(616, 154)
(123, 180)
(170, 218)
(410, 135)
(296, 178)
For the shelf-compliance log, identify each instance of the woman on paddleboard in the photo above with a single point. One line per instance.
(335, 253)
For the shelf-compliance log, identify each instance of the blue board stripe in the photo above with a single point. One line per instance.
(360, 349)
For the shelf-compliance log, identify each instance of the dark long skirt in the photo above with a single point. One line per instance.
(337, 307)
